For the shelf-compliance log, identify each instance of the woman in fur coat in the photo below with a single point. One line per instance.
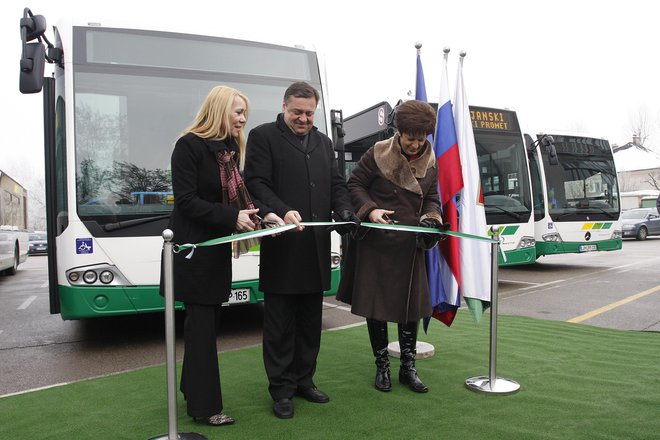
(384, 275)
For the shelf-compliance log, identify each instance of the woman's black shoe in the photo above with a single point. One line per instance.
(218, 420)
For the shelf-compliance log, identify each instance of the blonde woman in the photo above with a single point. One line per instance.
(210, 201)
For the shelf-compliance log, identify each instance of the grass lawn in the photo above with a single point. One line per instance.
(577, 382)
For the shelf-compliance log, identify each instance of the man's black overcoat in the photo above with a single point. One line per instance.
(285, 176)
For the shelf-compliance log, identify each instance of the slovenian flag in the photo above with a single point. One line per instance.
(450, 183)
(444, 271)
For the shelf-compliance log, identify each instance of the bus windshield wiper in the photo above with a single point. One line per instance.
(137, 221)
(506, 211)
(579, 211)
(607, 213)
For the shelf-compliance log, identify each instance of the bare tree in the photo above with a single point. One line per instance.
(654, 179)
(640, 125)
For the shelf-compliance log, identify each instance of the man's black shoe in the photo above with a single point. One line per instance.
(283, 408)
(313, 394)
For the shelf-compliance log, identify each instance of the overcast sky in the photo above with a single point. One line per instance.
(588, 66)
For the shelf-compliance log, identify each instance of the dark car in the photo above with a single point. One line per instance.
(640, 223)
(38, 243)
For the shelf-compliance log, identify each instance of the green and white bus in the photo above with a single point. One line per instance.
(577, 204)
(505, 182)
(503, 167)
(117, 102)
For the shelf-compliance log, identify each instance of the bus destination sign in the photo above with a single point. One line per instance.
(484, 118)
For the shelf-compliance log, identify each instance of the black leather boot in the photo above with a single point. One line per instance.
(379, 341)
(408, 346)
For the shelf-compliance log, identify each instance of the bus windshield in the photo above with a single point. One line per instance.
(503, 175)
(136, 91)
(581, 180)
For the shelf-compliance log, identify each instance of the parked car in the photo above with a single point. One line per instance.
(640, 223)
(38, 243)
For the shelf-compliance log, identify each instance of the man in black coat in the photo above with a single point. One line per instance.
(291, 168)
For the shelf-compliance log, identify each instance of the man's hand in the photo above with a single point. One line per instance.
(272, 220)
(294, 217)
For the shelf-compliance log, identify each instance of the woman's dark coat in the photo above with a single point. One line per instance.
(384, 272)
(285, 176)
(199, 215)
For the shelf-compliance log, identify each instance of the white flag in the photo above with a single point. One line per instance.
(475, 259)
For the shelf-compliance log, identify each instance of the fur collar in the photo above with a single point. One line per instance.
(396, 168)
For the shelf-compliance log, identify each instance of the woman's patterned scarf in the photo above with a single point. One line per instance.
(235, 194)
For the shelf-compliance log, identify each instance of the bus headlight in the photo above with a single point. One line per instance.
(96, 275)
(335, 259)
(89, 276)
(526, 242)
(106, 277)
(617, 234)
(552, 237)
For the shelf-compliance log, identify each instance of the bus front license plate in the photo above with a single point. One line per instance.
(588, 248)
(238, 296)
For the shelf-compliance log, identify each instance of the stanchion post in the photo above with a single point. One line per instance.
(170, 359)
(492, 383)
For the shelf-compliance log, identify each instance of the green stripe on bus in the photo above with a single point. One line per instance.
(607, 225)
(508, 230)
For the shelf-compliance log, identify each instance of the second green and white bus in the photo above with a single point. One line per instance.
(576, 204)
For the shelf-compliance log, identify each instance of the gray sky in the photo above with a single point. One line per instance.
(588, 66)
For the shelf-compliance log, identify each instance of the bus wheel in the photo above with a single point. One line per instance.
(642, 233)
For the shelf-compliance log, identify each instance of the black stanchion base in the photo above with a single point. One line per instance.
(181, 436)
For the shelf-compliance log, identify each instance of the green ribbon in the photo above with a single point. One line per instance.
(287, 227)
(420, 229)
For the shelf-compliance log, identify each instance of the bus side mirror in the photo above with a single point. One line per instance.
(33, 58)
(548, 143)
(32, 68)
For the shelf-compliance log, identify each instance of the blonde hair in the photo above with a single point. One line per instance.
(213, 120)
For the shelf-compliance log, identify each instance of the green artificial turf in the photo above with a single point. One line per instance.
(577, 382)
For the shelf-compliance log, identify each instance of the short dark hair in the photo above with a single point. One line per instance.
(301, 89)
(415, 118)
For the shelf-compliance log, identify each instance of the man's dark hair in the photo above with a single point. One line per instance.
(415, 118)
(301, 89)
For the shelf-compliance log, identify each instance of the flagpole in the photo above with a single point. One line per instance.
(491, 383)
(422, 349)
(170, 357)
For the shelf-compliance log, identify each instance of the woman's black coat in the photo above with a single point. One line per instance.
(285, 176)
(199, 215)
